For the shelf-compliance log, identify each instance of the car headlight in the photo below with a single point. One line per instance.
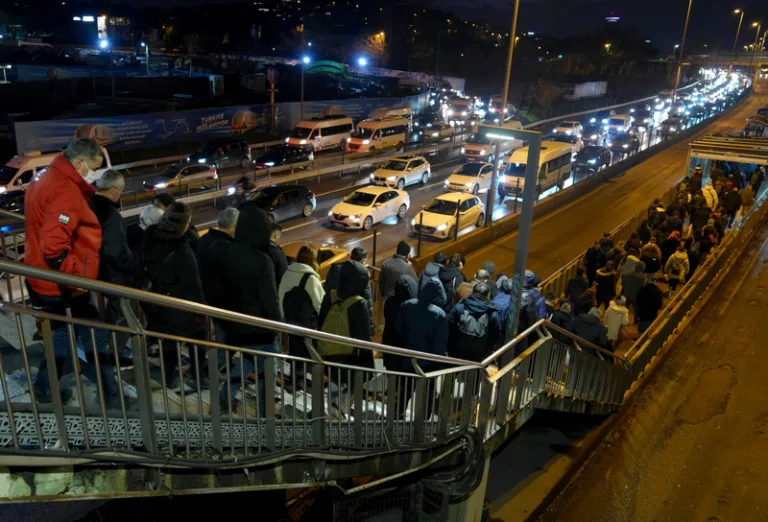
(189, 158)
(201, 160)
(330, 212)
(608, 144)
(593, 137)
(482, 152)
(160, 185)
(441, 227)
(355, 218)
(673, 129)
(467, 184)
(303, 142)
(231, 190)
(373, 176)
(447, 182)
(592, 120)
(554, 131)
(592, 161)
(449, 112)
(270, 164)
(463, 150)
(391, 178)
(625, 146)
(463, 113)
(491, 110)
(349, 139)
(416, 124)
(286, 140)
(366, 142)
(646, 120)
(568, 132)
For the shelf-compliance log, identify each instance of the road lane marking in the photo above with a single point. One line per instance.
(427, 187)
(359, 240)
(302, 225)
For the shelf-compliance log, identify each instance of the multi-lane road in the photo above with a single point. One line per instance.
(653, 177)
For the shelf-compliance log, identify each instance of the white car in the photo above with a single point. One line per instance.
(401, 171)
(473, 177)
(439, 218)
(569, 127)
(572, 139)
(369, 205)
(438, 131)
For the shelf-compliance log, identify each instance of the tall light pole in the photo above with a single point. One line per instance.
(674, 50)
(146, 55)
(682, 48)
(757, 33)
(304, 61)
(736, 40)
(491, 199)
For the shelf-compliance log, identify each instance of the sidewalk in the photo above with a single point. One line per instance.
(693, 446)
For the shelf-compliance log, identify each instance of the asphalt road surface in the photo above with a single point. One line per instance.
(693, 444)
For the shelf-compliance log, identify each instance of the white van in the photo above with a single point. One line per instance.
(402, 112)
(482, 148)
(328, 132)
(554, 169)
(619, 124)
(378, 133)
(19, 171)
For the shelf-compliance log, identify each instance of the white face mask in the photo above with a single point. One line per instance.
(90, 177)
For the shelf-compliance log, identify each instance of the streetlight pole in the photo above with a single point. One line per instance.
(736, 40)
(757, 34)
(146, 55)
(491, 199)
(301, 108)
(437, 62)
(682, 48)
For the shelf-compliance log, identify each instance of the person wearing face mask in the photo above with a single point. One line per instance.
(64, 234)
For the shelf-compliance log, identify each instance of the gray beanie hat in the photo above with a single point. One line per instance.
(176, 218)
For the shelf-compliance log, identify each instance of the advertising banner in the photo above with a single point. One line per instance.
(200, 125)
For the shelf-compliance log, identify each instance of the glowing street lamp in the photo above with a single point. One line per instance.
(362, 61)
(607, 48)
(103, 44)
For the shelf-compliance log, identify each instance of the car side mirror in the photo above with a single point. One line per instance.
(376, 205)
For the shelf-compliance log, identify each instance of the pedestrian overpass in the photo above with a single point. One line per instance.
(325, 424)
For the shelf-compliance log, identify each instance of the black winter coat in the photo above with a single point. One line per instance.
(117, 265)
(576, 286)
(391, 271)
(590, 329)
(406, 287)
(422, 325)
(279, 259)
(210, 248)
(649, 301)
(451, 277)
(174, 276)
(248, 278)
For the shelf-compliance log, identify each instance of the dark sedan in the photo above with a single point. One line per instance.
(282, 202)
(284, 155)
(592, 134)
(592, 158)
(624, 143)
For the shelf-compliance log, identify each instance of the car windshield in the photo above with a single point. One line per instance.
(566, 139)
(479, 139)
(301, 133)
(568, 124)
(170, 172)
(395, 165)
(616, 121)
(262, 197)
(362, 199)
(363, 133)
(7, 174)
(515, 169)
(589, 152)
(470, 169)
(441, 206)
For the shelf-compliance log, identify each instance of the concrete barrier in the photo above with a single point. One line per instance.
(509, 224)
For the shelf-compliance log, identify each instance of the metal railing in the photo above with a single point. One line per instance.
(254, 403)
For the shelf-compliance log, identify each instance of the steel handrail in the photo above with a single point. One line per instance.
(212, 312)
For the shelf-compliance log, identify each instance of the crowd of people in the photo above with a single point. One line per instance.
(239, 266)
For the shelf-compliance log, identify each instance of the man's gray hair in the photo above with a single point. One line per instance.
(228, 217)
(110, 179)
(86, 148)
(151, 215)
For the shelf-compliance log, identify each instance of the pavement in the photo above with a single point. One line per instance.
(692, 447)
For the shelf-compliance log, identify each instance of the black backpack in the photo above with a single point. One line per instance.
(298, 307)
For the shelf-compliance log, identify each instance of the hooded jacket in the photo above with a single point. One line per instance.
(248, 278)
(628, 265)
(606, 285)
(473, 348)
(679, 260)
(406, 287)
(590, 329)
(117, 263)
(353, 281)
(732, 200)
(451, 277)
(174, 276)
(422, 325)
(615, 317)
(333, 282)
(210, 248)
(292, 278)
(431, 270)
(649, 301)
(710, 196)
(391, 271)
(747, 196)
(61, 231)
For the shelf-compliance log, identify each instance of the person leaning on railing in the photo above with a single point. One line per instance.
(63, 234)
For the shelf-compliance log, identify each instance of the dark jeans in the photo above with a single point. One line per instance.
(81, 308)
(243, 368)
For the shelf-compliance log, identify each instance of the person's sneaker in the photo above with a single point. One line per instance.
(65, 393)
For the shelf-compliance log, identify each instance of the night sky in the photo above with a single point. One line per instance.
(661, 21)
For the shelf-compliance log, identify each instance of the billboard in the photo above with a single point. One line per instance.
(200, 125)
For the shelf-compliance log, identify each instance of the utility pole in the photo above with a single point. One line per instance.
(491, 198)
(272, 90)
(682, 48)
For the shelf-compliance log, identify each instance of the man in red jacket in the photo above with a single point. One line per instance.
(62, 233)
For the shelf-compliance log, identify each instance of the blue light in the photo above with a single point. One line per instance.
(362, 62)
(103, 44)
(6, 228)
(306, 59)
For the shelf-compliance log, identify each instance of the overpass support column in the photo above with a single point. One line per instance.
(471, 508)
